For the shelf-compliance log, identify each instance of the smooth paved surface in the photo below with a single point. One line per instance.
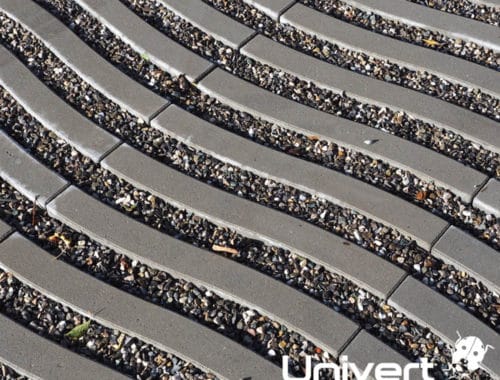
(427, 18)
(365, 349)
(325, 327)
(52, 111)
(488, 198)
(38, 358)
(162, 51)
(26, 174)
(339, 189)
(5, 229)
(253, 220)
(470, 255)
(445, 318)
(163, 328)
(209, 20)
(402, 53)
(272, 8)
(224, 276)
(83, 60)
(373, 91)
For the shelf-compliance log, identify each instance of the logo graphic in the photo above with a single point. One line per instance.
(471, 349)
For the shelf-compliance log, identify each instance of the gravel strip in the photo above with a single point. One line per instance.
(408, 33)
(465, 8)
(7, 373)
(145, 207)
(111, 347)
(245, 325)
(346, 223)
(421, 81)
(400, 182)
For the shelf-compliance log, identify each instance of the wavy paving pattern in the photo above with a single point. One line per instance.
(195, 189)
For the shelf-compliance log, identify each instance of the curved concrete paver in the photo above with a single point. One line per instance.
(414, 57)
(373, 91)
(209, 20)
(5, 229)
(253, 220)
(272, 8)
(230, 279)
(83, 60)
(52, 111)
(470, 255)
(338, 188)
(26, 174)
(431, 19)
(161, 50)
(164, 329)
(38, 358)
(488, 198)
(365, 349)
(429, 308)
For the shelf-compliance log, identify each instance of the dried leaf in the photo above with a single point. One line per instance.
(220, 248)
(78, 331)
(421, 195)
(431, 42)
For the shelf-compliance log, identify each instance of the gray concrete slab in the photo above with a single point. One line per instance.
(404, 54)
(373, 91)
(428, 18)
(470, 255)
(38, 358)
(26, 174)
(228, 278)
(89, 65)
(161, 50)
(52, 111)
(251, 219)
(211, 21)
(488, 198)
(445, 318)
(5, 229)
(365, 349)
(272, 8)
(333, 186)
(164, 329)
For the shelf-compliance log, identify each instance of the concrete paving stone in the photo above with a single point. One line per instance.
(272, 8)
(331, 185)
(83, 60)
(248, 218)
(404, 54)
(365, 349)
(26, 174)
(431, 309)
(470, 255)
(228, 278)
(211, 21)
(160, 327)
(373, 91)
(5, 229)
(38, 358)
(431, 19)
(488, 198)
(52, 111)
(161, 50)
